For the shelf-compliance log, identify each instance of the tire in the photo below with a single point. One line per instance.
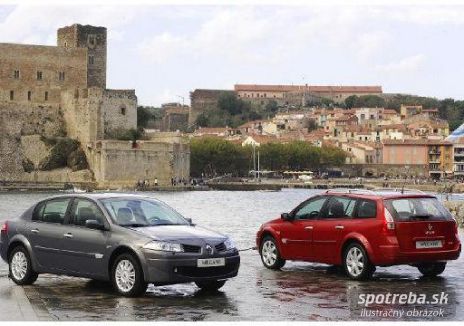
(270, 255)
(20, 267)
(356, 262)
(431, 269)
(210, 286)
(127, 276)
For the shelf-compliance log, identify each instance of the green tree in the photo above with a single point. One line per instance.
(332, 156)
(271, 107)
(213, 156)
(351, 101)
(202, 120)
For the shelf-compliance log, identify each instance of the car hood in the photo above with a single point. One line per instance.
(178, 232)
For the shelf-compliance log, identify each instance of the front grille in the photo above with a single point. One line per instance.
(193, 271)
(191, 249)
(221, 247)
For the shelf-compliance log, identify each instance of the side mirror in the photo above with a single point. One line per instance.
(94, 224)
(189, 220)
(286, 216)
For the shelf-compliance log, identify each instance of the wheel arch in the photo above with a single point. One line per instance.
(121, 249)
(21, 240)
(356, 238)
(274, 234)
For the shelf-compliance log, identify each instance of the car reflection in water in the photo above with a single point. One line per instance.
(327, 295)
(97, 301)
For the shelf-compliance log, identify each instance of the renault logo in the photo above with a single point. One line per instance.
(429, 230)
(209, 249)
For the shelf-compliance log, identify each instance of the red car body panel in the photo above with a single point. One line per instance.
(323, 240)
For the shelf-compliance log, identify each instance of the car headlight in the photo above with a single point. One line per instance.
(229, 244)
(164, 246)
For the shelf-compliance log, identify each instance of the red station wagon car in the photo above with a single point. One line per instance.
(361, 229)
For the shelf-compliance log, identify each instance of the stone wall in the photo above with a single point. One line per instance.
(92, 113)
(390, 170)
(94, 40)
(28, 61)
(120, 163)
(18, 122)
(119, 110)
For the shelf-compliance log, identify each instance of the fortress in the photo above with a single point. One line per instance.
(51, 93)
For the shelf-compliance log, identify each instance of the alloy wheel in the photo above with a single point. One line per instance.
(19, 265)
(355, 261)
(125, 275)
(269, 253)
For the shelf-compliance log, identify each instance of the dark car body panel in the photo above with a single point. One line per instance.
(74, 250)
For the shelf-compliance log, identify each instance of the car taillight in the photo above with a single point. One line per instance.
(5, 227)
(390, 223)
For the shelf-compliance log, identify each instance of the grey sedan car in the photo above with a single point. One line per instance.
(126, 239)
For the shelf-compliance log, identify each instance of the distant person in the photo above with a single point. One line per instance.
(156, 182)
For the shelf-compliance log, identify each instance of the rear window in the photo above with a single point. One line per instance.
(413, 209)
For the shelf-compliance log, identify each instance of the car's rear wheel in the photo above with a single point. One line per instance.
(356, 262)
(20, 266)
(432, 269)
(127, 276)
(270, 255)
(210, 286)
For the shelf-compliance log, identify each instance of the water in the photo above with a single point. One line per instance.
(301, 291)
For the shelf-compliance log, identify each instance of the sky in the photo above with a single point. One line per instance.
(166, 51)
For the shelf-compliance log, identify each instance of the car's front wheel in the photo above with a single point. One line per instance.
(210, 286)
(432, 269)
(127, 276)
(20, 266)
(356, 262)
(270, 254)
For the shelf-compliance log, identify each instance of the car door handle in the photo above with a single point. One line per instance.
(35, 230)
(68, 235)
(309, 227)
(340, 227)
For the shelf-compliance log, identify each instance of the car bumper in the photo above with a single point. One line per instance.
(392, 255)
(179, 268)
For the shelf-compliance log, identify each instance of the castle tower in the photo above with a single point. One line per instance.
(94, 40)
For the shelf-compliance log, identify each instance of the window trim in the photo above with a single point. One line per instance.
(71, 206)
(358, 203)
(44, 202)
(324, 216)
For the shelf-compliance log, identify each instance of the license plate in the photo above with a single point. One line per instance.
(428, 244)
(210, 262)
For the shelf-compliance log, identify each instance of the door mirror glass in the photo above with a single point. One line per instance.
(94, 224)
(286, 216)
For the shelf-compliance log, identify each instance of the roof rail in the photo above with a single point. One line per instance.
(402, 190)
(351, 191)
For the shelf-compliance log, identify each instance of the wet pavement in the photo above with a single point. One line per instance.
(301, 291)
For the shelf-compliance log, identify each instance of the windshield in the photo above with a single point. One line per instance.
(423, 208)
(136, 212)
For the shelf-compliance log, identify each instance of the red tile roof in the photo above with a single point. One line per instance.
(315, 89)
